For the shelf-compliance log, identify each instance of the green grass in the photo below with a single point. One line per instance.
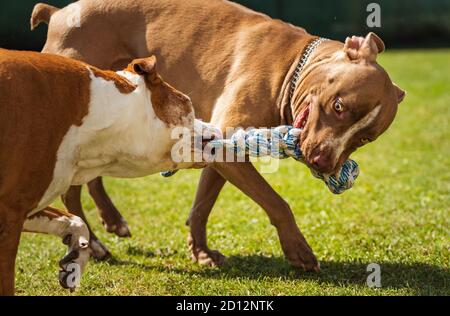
(397, 216)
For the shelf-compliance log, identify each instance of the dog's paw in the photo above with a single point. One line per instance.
(211, 258)
(74, 262)
(70, 271)
(98, 250)
(67, 279)
(303, 260)
(119, 228)
(298, 252)
(205, 256)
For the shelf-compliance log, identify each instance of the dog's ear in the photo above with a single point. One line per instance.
(41, 13)
(145, 66)
(400, 93)
(367, 48)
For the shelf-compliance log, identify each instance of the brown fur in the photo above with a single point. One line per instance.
(236, 65)
(41, 13)
(51, 213)
(41, 97)
(331, 74)
(164, 96)
(121, 83)
(36, 112)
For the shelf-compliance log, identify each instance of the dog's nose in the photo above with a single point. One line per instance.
(322, 162)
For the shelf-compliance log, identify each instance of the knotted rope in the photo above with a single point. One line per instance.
(280, 143)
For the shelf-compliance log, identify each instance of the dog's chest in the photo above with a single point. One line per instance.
(121, 137)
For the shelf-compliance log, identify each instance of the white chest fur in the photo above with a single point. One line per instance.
(121, 136)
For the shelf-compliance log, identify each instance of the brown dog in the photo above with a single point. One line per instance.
(238, 67)
(64, 122)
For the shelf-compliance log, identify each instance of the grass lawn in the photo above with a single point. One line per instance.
(397, 216)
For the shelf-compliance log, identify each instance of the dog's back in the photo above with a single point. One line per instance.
(214, 44)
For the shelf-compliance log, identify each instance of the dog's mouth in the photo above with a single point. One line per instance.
(204, 133)
(300, 122)
(199, 143)
(207, 139)
(302, 118)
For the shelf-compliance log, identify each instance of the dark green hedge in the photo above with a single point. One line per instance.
(413, 23)
(15, 30)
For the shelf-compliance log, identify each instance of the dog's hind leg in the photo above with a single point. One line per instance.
(111, 217)
(11, 221)
(75, 235)
(72, 201)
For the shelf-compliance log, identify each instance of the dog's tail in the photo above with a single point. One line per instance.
(41, 13)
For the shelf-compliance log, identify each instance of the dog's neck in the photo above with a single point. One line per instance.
(122, 136)
(317, 49)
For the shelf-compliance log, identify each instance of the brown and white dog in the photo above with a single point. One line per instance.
(63, 122)
(238, 66)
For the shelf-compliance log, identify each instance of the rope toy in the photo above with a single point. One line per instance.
(280, 143)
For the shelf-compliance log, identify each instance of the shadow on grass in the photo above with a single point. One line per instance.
(420, 278)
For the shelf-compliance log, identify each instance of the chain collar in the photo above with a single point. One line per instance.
(301, 64)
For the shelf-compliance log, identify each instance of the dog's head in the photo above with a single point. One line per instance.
(176, 111)
(344, 101)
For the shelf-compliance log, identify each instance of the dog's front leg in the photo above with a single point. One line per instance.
(249, 181)
(74, 233)
(11, 221)
(246, 178)
(72, 201)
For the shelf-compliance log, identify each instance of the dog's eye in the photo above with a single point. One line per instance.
(365, 141)
(338, 106)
